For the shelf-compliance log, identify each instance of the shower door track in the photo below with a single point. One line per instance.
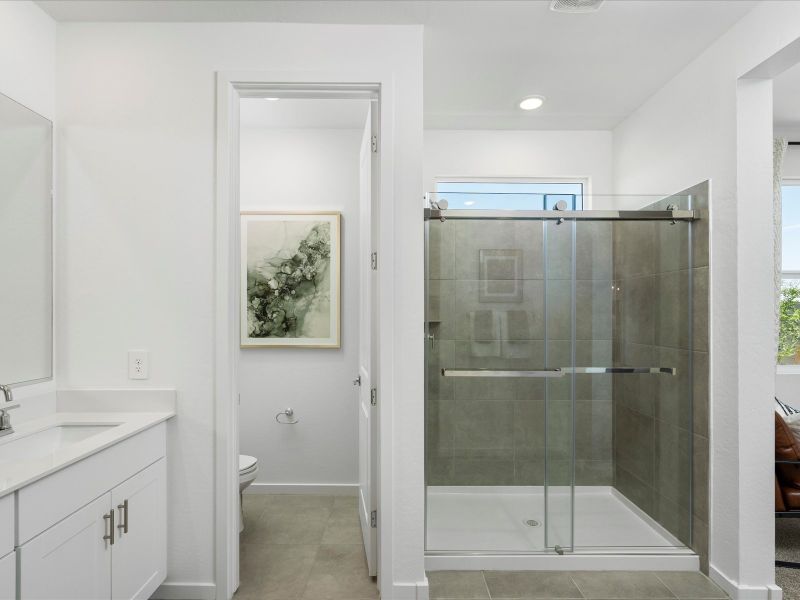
(572, 215)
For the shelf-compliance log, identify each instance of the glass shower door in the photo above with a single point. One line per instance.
(559, 339)
(486, 388)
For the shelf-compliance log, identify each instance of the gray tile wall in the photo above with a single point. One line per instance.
(492, 431)
(661, 422)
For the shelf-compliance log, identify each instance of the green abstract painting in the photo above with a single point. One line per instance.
(290, 279)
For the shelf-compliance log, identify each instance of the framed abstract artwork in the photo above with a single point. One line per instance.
(290, 295)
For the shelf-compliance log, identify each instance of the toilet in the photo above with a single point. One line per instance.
(248, 469)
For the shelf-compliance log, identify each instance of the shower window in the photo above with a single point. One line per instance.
(510, 195)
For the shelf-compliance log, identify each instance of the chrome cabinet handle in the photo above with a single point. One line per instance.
(289, 413)
(110, 535)
(123, 509)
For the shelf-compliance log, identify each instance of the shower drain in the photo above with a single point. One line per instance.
(532, 523)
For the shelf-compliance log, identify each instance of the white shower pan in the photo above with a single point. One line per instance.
(492, 528)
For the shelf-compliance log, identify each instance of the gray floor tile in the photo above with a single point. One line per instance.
(290, 529)
(340, 573)
(275, 572)
(341, 533)
(344, 516)
(457, 585)
(253, 505)
(631, 585)
(527, 585)
(690, 585)
(345, 502)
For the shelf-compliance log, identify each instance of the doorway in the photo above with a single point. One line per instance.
(305, 183)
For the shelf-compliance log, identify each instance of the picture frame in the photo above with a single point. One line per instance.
(290, 288)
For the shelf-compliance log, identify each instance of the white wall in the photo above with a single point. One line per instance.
(304, 170)
(452, 153)
(687, 132)
(28, 56)
(136, 108)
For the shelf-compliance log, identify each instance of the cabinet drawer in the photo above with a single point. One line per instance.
(49, 500)
(6, 524)
(8, 577)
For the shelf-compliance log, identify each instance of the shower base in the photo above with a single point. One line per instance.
(489, 528)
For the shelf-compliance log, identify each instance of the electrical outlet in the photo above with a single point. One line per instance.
(138, 364)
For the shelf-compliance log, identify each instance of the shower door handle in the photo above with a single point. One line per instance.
(543, 373)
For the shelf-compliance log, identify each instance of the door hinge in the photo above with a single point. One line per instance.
(373, 519)
(374, 261)
(373, 396)
(374, 144)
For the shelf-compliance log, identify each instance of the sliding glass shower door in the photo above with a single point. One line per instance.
(558, 382)
(499, 408)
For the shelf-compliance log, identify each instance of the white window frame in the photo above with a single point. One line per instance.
(788, 369)
(585, 181)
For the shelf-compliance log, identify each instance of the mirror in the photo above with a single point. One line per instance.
(26, 245)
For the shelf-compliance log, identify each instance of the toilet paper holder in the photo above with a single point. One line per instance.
(289, 414)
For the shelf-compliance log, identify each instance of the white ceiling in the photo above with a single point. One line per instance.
(786, 103)
(482, 57)
(290, 113)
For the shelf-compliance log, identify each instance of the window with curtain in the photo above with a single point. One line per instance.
(789, 338)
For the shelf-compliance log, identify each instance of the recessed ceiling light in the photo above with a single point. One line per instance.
(469, 202)
(531, 102)
(272, 99)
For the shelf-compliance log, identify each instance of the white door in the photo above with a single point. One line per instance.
(367, 438)
(139, 562)
(8, 577)
(71, 560)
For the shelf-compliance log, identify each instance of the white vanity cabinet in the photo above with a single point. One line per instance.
(96, 530)
(8, 577)
(71, 560)
(139, 554)
(8, 570)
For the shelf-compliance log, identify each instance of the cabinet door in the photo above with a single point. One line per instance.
(8, 577)
(71, 560)
(139, 561)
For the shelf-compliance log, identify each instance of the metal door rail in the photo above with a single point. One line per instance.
(560, 372)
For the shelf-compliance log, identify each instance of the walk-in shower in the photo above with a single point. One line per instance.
(559, 386)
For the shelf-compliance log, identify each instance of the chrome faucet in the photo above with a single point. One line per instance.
(5, 419)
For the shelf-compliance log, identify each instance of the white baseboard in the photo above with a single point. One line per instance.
(318, 489)
(185, 591)
(407, 591)
(744, 592)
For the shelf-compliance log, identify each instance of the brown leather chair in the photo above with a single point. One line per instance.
(787, 477)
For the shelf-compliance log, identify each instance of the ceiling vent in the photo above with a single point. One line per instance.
(576, 6)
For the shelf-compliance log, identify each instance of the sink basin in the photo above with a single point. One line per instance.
(48, 441)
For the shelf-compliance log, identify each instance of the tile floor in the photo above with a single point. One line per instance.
(309, 548)
(302, 548)
(552, 585)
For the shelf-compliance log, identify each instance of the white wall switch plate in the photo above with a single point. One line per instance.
(138, 364)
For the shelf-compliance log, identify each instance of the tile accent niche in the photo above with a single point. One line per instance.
(661, 425)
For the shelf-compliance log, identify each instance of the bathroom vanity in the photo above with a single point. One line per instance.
(88, 488)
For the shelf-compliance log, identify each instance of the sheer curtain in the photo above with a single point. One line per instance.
(779, 146)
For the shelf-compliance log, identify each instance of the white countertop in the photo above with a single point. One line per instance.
(16, 473)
